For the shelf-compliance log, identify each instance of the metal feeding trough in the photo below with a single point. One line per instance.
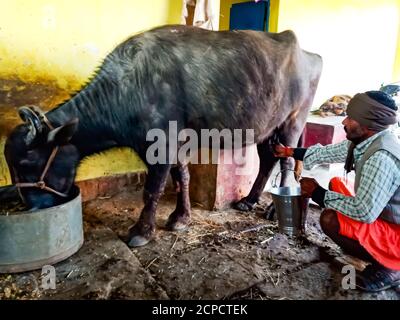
(30, 240)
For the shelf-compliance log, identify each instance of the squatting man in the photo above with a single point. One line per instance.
(363, 217)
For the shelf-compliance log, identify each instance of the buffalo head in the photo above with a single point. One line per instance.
(28, 150)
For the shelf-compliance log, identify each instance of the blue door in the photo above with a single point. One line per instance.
(249, 16)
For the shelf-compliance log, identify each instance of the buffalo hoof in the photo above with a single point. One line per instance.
(139, 235)
(177, 224)
(138, 241)
(269, 213)
(244, 205)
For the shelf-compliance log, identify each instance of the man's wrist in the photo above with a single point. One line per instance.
(298, 153)
(318, 196)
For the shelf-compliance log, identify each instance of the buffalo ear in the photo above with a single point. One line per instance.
(62, 135)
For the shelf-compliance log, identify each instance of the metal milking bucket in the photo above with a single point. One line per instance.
(291, 208)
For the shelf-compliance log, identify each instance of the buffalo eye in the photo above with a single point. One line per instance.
(31, 159)
(27, 163)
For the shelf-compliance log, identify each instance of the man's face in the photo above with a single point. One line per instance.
(354, 131)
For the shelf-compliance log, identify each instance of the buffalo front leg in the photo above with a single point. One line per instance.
(142, 232)
(180, 217)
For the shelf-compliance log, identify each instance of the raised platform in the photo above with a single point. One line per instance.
(324, 130)
(217, 186)
(108, 186)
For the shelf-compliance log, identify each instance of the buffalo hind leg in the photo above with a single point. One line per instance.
(289, 135)
(288, 164)
(142, 232)
(180, 217)
(267, 163)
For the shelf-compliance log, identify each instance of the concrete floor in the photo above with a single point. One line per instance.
(224, 255)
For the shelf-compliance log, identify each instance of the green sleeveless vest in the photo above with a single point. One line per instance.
(391, 144)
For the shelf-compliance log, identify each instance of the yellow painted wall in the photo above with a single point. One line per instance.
(62, 42)
(274, 15)
(396, 69)
(357, 40)
(65, 40)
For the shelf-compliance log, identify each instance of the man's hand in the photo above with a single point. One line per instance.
(280, 151)
(308, 185)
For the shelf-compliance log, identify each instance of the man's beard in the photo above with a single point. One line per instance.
(355, 140)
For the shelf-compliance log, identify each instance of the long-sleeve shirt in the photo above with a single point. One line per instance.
(380, 178)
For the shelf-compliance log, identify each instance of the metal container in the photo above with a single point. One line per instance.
(30, 240)
(291, 208)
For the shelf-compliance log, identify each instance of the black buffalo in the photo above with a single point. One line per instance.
(198, 78)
